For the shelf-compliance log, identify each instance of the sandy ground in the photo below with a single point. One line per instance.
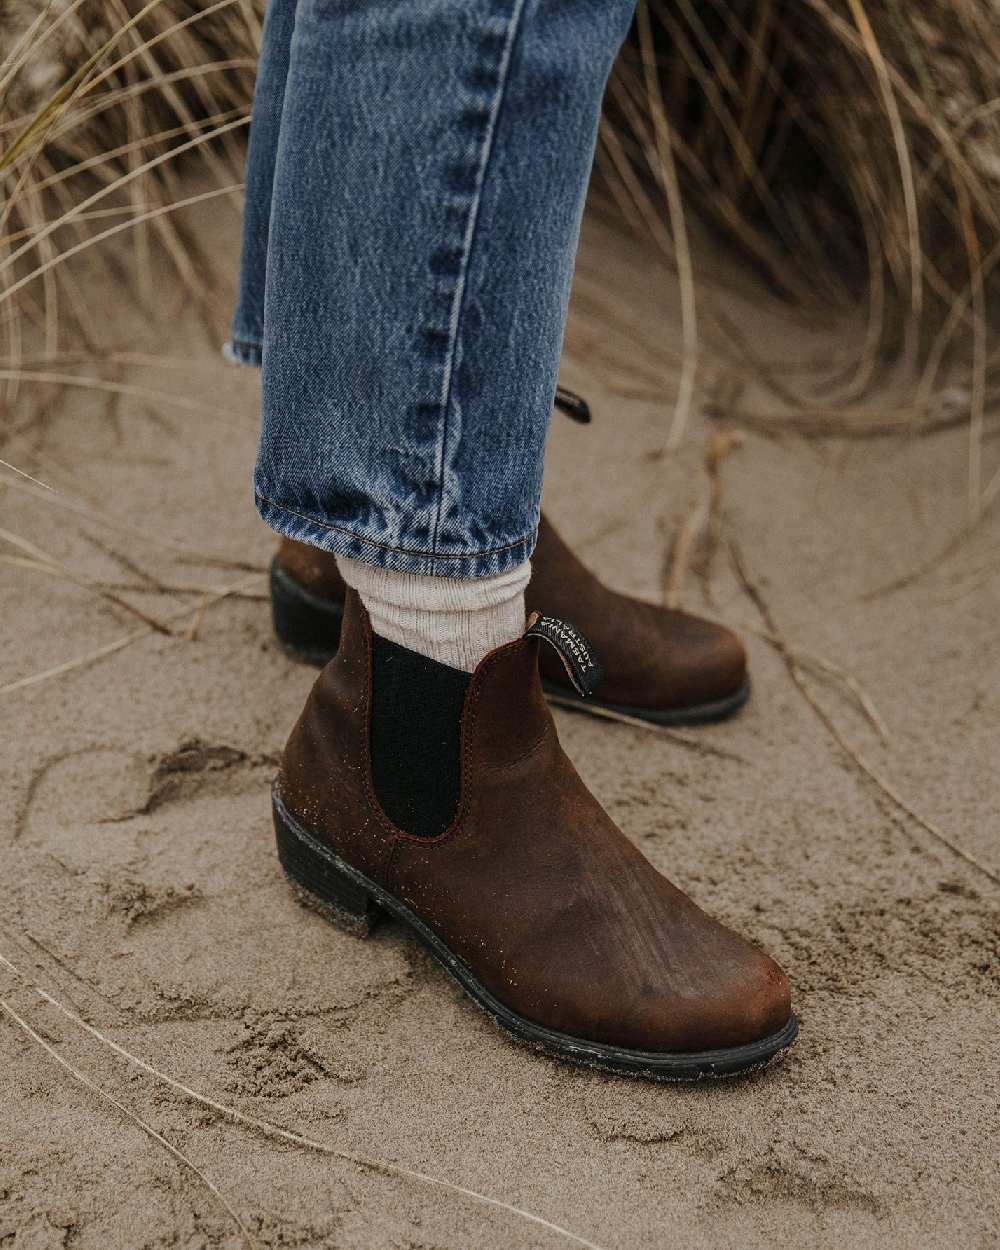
(140, 887)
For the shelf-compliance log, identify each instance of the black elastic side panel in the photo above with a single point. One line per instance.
(416, 711)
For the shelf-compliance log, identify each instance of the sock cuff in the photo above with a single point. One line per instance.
(434, 594)
(455, 621)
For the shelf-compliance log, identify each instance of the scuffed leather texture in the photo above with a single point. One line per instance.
(653, 657)
(533, 885)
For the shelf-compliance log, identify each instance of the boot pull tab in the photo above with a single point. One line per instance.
(573, 405)
(577, 655)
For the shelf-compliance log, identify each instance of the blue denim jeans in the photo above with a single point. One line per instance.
(415, 182)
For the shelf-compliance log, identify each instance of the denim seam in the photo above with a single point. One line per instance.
(403, 551)
(458, 300)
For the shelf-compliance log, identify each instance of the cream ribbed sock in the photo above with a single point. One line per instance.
(455, 621)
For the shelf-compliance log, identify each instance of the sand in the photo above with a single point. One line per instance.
(140, 887)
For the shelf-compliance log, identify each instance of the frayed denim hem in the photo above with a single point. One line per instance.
(243, 352)
(345, 542)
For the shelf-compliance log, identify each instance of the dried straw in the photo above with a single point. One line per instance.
(847, 148)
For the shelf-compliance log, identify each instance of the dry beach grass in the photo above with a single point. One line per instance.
(846, 150)
(848, 153)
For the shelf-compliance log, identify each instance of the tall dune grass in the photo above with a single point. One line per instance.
(849, 150)
(100, 101)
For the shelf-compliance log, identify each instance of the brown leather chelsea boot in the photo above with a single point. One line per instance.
(445, 800)
(661, 665)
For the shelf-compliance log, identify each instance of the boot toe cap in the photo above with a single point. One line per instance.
(765, 1005)
(668, 658)
(715, 660)
(744, 1007)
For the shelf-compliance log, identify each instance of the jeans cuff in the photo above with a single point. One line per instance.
(343, 541)
(243, 352)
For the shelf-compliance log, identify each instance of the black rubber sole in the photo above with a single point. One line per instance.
(308, 628)
(349, 899)
(695, 714)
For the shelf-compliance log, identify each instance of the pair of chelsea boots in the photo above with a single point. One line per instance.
(444, 800)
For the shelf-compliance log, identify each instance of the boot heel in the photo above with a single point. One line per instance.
(319, 883)
(306, 626)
